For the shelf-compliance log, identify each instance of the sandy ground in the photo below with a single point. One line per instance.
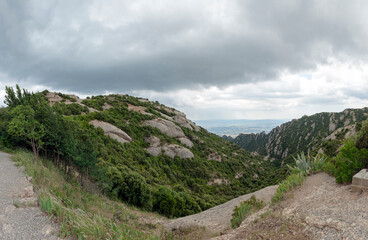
(319, 209)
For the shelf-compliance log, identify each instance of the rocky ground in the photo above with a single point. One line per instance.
(319, 209)
(20, 217)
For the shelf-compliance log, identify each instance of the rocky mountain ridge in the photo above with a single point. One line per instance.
(303, 134)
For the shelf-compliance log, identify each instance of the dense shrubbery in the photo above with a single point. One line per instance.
(349, 161)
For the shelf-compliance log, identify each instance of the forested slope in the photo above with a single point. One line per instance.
(139, 151)
(308, 133)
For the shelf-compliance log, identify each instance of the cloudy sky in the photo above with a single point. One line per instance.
(212, 59)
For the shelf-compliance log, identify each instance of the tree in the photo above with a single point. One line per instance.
(24, 125)
(13, 99)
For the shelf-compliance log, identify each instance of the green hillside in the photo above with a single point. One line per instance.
(301, 135)
(141, 152)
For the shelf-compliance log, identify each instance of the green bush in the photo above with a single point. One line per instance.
(349, 161)
(329, 168)
(173, 204)
(129, 187)
(362, 138)
(245, 209)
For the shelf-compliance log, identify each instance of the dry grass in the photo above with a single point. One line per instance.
(83, 214)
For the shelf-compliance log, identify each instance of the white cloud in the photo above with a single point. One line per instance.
(330, 87)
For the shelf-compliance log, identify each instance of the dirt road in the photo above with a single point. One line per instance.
(17, 220)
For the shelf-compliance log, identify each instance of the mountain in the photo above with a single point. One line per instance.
(309, 133)
(138, 151)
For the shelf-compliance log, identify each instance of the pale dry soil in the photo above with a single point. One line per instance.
(20, 217)
(319, 209)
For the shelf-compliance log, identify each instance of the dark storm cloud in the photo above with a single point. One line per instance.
(86, 46)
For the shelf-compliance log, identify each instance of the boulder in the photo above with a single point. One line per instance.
(186, 142)
(165, 126)
(53, 97)
(155, 151)
(140, 109)
(106, 106)
(182, 121)
(112, 131)
(153, 141)
(214, 157)
(173, 150)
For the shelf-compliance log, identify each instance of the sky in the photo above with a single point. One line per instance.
(212, 59)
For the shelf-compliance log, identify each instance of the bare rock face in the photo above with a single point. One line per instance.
(53, 97)
(182, 121)
(214, 157)
(140, 109)
(106, 106)
(112, 131)
(166, 126)
(154, 148)
(186, 142)
(173, 150)
(218, 181)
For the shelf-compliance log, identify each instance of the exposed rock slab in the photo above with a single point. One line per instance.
(53, 97)
(171, 150)
(112, 131)
(165, 126)
(186, 142)
(139, 109)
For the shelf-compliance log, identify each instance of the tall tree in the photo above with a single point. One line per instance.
(24, 125)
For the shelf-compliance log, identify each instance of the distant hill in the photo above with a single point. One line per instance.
(308, 133)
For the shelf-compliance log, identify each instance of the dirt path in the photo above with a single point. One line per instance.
(20, 218)
(319, 209)
(217, 219)
(330, 210)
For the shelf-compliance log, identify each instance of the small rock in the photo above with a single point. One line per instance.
(9, 209)
(7, 229)
(28, 179)
(47, 230)
(28, 192)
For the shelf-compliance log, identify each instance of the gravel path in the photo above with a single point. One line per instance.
(25, 221)
(330, 210)
(217, 219)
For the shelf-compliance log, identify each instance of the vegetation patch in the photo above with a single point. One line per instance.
(83, 214)
(245, 209)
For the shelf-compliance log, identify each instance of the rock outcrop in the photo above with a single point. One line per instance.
(165, 126)
(301, 135)
(171, 150)
(53, 97)
(112, 131)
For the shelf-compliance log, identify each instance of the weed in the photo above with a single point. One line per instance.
(245, 209)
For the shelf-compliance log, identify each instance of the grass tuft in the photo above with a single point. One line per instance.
(285, 186)
(245, 209)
